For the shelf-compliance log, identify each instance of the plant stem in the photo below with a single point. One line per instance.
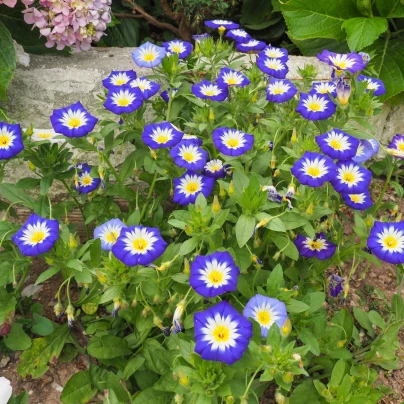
(251, 380)
(386, 184)
(110, 166)
(21, 281)
(148, 196)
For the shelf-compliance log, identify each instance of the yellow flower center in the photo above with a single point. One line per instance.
(140, 244)
(142, 86)
(273, 66)
(176, 49)
(123, 102)
(38, 236)
(74, 123)
(149, 57)
(314, 106)
(4, 140)
(221, 28)
(279, 91)
(120, 82)
(231, 81)
(315, 245)
(348, 177)
(390, 242)
(314, 171)
(210, 93)
(188, 157)
(341, 65)
(401, 147)
(232, 142)
(355, 198)
(221, 333)
(112, 237)
(215, 277)
(162, 139)
(323, 91)
(273, 55)
(264, 317)
(215, 168)
(335, 144)
(45, 135)
(86, 180)
(192, 187)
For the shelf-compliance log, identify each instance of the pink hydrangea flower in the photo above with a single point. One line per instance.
(9, 3)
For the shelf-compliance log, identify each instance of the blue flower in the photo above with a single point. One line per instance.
(85, 182)
(232, 142)
(165, 96)
(37, 235)
(338, 144)
(10, 140)
(325, 88)
(250, 45)
(318, 246)
(344, 90)
(194, 139)
(360, 201)
(239, 35)
(396, 146)
(335, 285)
(159, 135)
(200, 37)
(221, 333)
(214, 169)
(313, 169)
(275, 53)
(73, 121)
(280, 90)
(375, 85)
(123, 100)
(351, 62)
(367, 148)
(386, 241)
(210, 91)
(214, 274)
(274, 67)
(228, 77)
(139, 245)
(190, 185)
(266, 311)
(148, 55)
(315, 107)
(146, 86)
(118, 78)
(216, 24)
(182, 48)
(350, 178)
(108, 233)
(188, 155)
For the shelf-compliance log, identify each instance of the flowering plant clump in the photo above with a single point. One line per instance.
(229, 267)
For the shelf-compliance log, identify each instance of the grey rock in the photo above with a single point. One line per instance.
(31, 290)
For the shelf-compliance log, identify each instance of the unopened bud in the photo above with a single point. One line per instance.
(211, 115)
(231, 188)
(72, 241)
(153, 154)
(187, 268)
(178, 398)
(222, 192)
(273, 161)
(266, 348)
(70, 315)
(276, 256)
(294, 136)
(188, 229)
(31, 166)
(280, 398)
(288, 377)
(216, 205)
(156, 299)
(341, 344)
(286, 328)
(101, 277)
(310, 209)
(369, 221)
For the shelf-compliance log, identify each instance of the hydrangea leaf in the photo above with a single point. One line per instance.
(362, 31)
(7, 60)
(308, 19)
(388, 62)
(390, 8)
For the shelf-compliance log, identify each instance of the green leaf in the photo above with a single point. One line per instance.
(155, 362)
(108, 347)
(132, 366)
(20, 399)
(363, 319)
(286, 246)
(96, 253)
(47, 274)
(244, 229)
(304, 393)
(127, 167)
(311, 47)
(296, 306)
(78, 389)
(13, 195)
(152, 396)
(110, 293)
(337, 374)
(7, 60)
(376, 319)
(189, 246)
(275, 281)
(362, 31)
(308, 19)
(255, 11)
(103, 379)
(307, 337)
(34, 361)
(17, 339)
(276, 224)
(45, 184)
(315, 301)
(390, 8)
(7, 309)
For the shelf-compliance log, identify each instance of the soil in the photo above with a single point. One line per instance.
(47, 389)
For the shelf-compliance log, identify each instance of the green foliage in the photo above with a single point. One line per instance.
(7, 60)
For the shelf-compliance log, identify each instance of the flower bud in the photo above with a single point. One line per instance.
(276, 173)
(179, 311)
(286, 328)
(341, 344)
(294, 136)
(343, 92)
(153, 154)
(291, 191)
(31, 166)
(346, 289)
(211, 115)
(230, 400)
(30, 130)
(276, 256)
(310, 209)
(58, 309)
(280, 398)
(70, 315)
(134, 302)
(273, 161)
(221, 30)
(117, 306)
(266, 348)
(178, 398)
(231, 188)
(216, 205)
(167, 313)
(172, 232)
(156, 299)
(164, 266)
(188, 229)
(288, 377)
(187, 268)
(101, 277)
(72, 241)
(222, 192)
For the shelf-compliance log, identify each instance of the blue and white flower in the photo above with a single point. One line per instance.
(239, 35)
(228, 77)
(318, 247)
(214, 274)
(351, 62)
(193, 138)
(386, 241)
(10, 140)
(188, 155)
(118, 78)
(266, 311)
(232, 142)
(210, 91)
(146, 86)
(250, 45)
(85, 182)
(37, 235)
(109, 232)
(350, 178)
(338, 144)
(139, 245)
(222, 24)
(335, 285)
(123, 100)
(190, 185)
(40, 135)
(359, 201)
(275, 53)
(315, 107)
(221, 333)
(159, 135)
(165, 95)
(325, 88)
(280, 90)
(181, 48)
(274, 67)
(396, 146)
(372, 84)
(214, 169)
(148, 55)
(200, 37)
(366, 149)
(313, 169)
(73, 121)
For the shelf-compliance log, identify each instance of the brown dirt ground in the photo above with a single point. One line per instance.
(46, 390)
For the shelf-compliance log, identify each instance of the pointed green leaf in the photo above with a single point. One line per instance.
(78, 389)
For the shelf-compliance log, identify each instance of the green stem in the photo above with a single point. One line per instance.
(110, 166)
(252, 379)
(148, 196)
(386, 184)
(77, 204)
(22, 280)
(170, 98)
